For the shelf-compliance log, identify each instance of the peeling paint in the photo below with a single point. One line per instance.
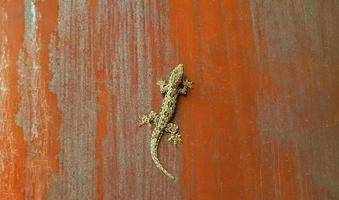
(3, 58)
(35, 116)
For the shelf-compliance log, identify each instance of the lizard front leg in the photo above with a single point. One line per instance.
(163, 86)
(187, 84)
(173, 130)
(149, 119)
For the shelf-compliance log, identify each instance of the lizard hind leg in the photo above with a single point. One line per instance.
(149, 119)
(173, 130)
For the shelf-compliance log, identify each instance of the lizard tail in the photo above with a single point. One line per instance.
(154, 155)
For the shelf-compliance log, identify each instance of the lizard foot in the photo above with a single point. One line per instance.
(175, 138)
(163, 86)
(173, 130)
(148, 119)
(187, 84)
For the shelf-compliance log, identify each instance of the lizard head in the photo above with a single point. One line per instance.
(176, 75)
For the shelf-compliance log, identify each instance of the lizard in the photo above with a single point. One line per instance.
(162, 121)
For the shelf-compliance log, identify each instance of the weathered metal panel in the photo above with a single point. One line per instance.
(260, 123)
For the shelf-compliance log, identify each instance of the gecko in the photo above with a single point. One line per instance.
(172, 88)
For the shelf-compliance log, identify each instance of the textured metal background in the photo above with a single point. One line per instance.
(262, 121)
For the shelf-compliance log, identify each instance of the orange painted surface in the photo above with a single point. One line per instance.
(260, 123)
(12, 145)
(224, 105)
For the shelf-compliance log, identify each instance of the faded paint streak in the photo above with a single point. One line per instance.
(12, 145)
(74, 83)
(47, 25)
(35, 115)
(29, 77)
(119, 67)
(300, 56)
(3, 61)
(129, 56)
